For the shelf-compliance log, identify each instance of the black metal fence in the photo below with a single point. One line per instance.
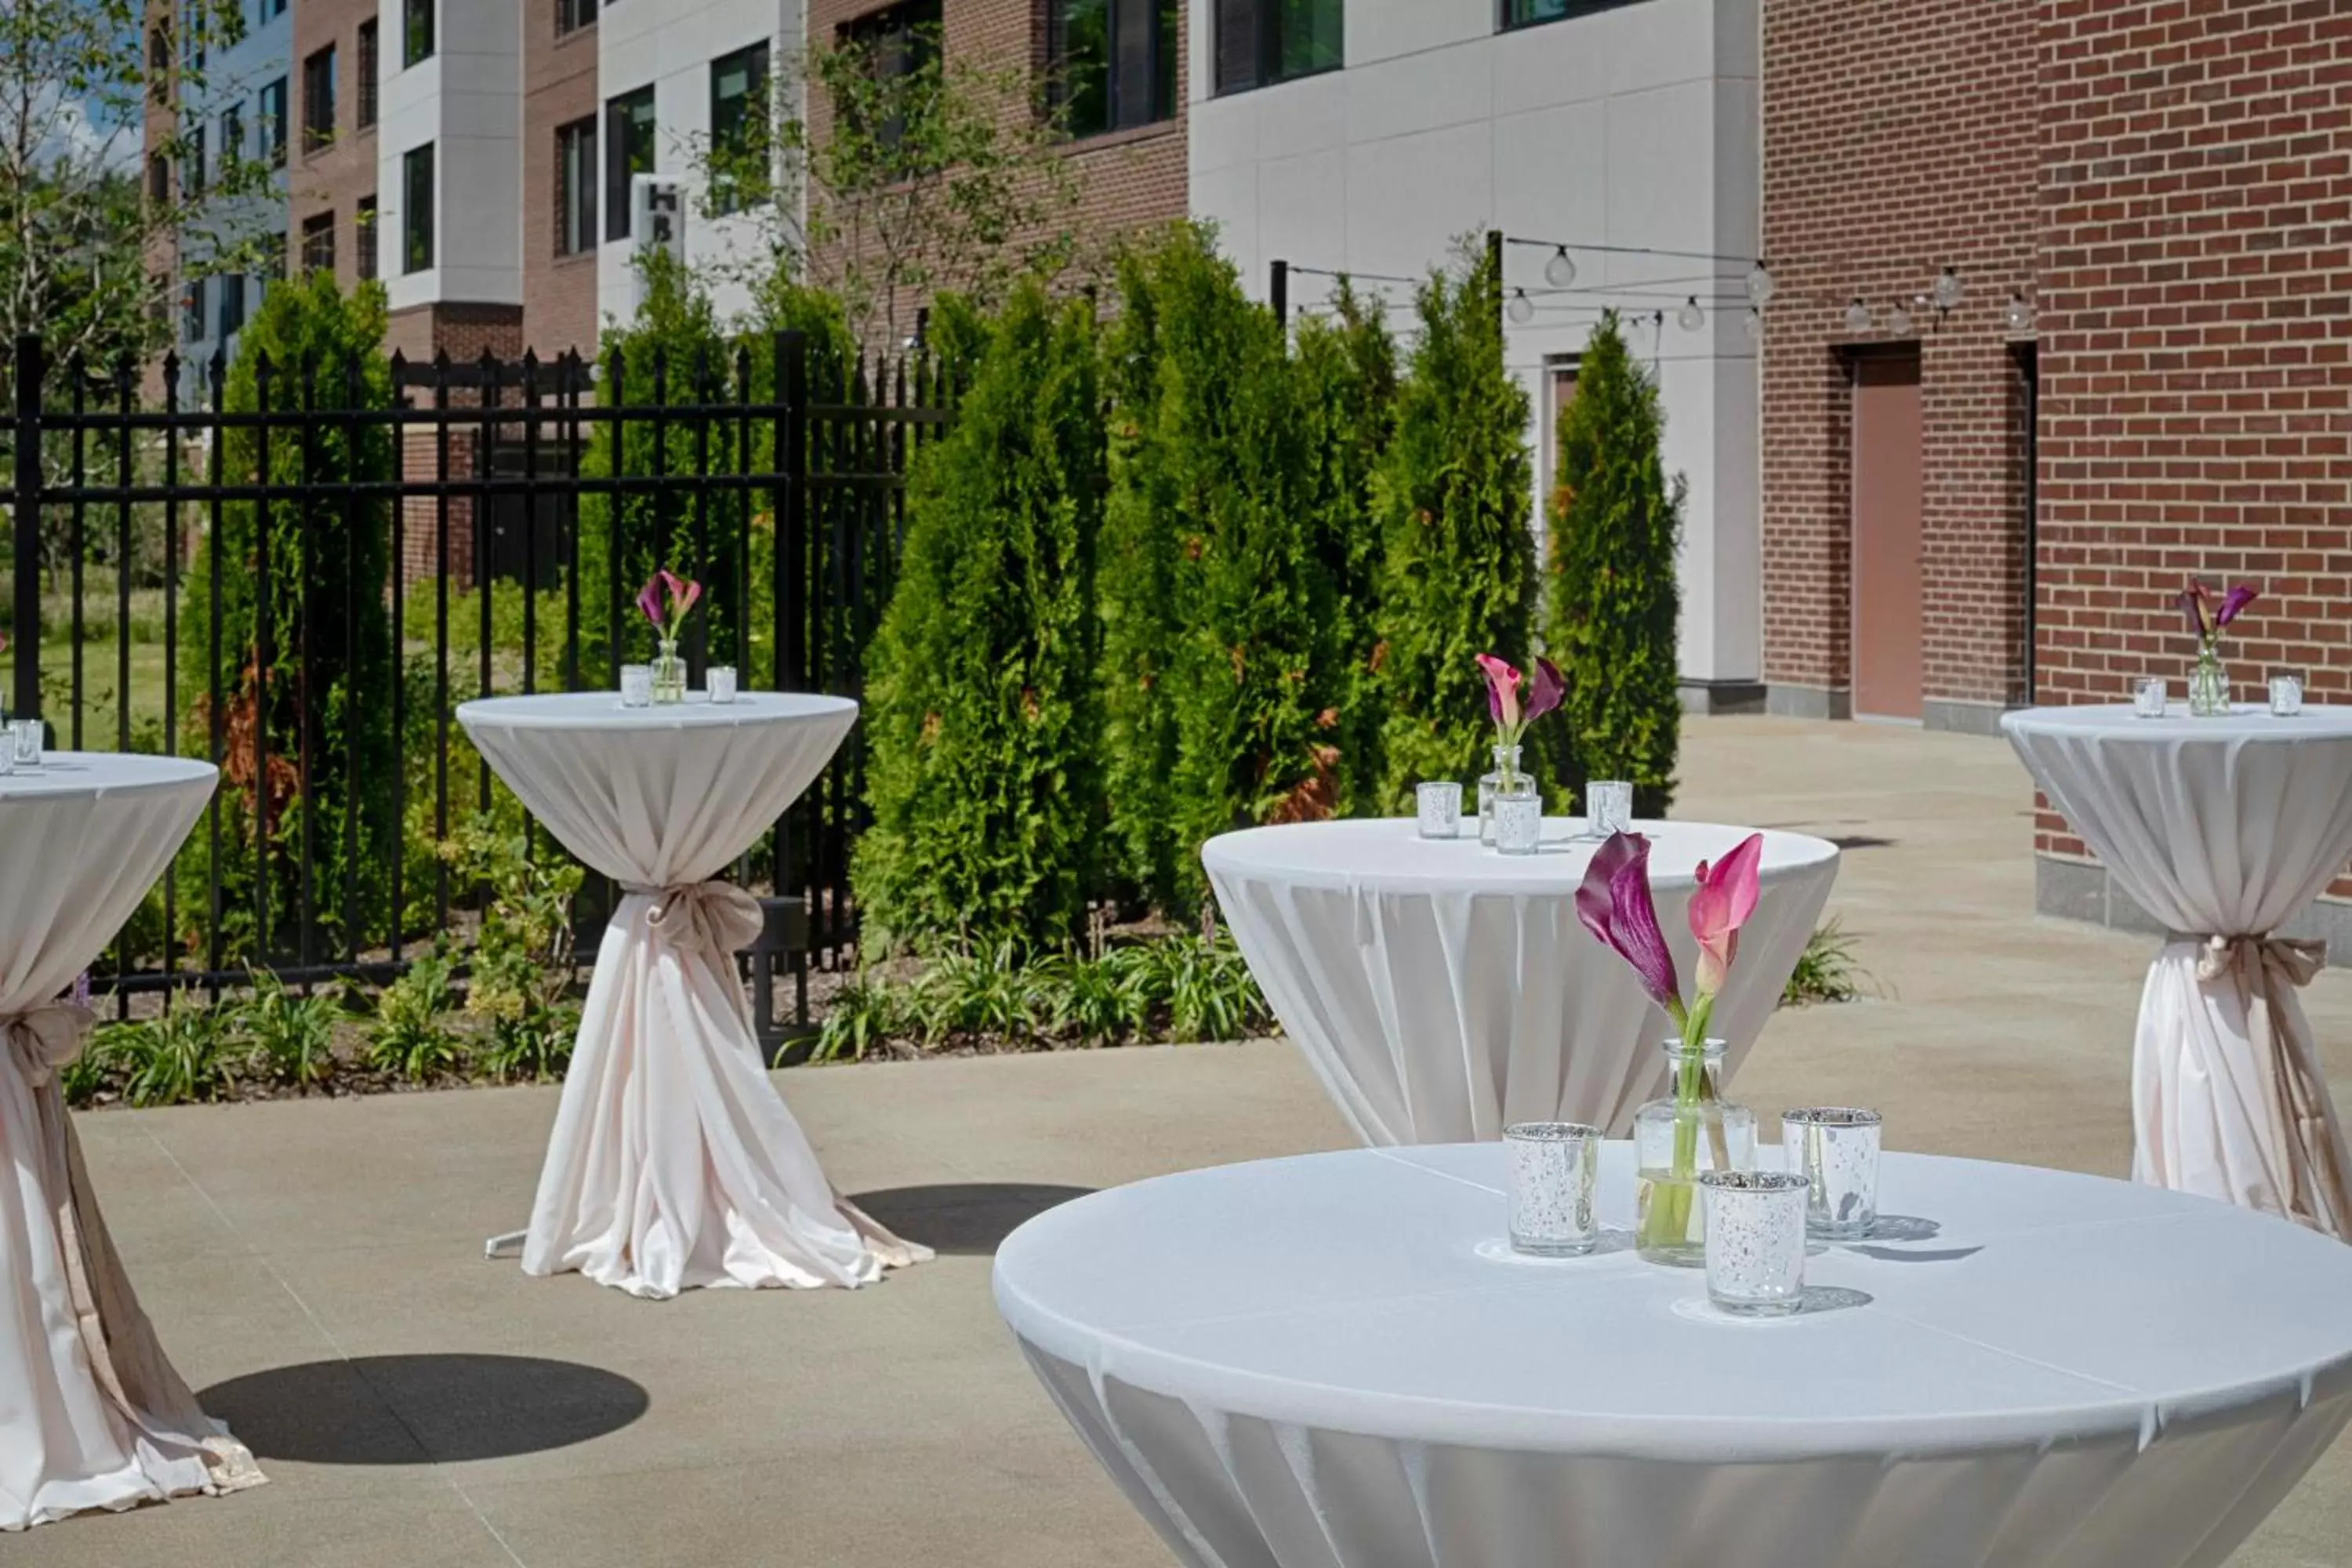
(297, 572)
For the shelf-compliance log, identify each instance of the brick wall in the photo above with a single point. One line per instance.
(1899, 138)
(559, 85)
(1124, 180)
(332, 179)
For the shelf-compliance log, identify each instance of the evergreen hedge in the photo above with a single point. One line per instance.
(982, 699)
(1452, 493)
(1611, 601)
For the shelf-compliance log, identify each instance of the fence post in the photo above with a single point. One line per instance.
(791, 521)
(26, 700)
(1277, 291)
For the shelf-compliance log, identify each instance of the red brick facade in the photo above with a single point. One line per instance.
(331, 180)
(558, 86)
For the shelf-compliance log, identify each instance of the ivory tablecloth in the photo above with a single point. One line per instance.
(1441, 990)
(2223, 829)
(92, 1413)
(673, 1162)
(1334, 1361)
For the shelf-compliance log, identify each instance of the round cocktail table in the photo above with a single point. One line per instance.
(1441, 990)
(1334, 1360)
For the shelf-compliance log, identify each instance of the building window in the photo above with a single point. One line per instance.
(159, 178)
(628, 152)
(1113, 63)
(416, 32)
(192, 309)
(319, 243)
(319, 100)
(273, 121)
(416, 210)
(273, 260)
(231, 307)
(192, 164)
(575, 187)
(739, 127)
(272, 9)
(571, 16)
(900, 41)
(1261, 42)
(363, 237)
(368, 65)
(232, 137)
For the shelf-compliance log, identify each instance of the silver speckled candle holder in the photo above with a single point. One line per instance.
(1835, 1148)
(1438, 807)
(1754, 1241)
(1555, 1173)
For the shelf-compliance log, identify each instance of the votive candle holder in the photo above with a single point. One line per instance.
(2149, 695)
(2286, 694)
(1835, 1149)
(718, 680)
(636, 685)
(1754, 1241)
(26, 737)
(1437, 807)
(1609, 807)
(1555, 1173)
(1518, 817)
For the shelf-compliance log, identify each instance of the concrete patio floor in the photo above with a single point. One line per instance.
(315, 1268)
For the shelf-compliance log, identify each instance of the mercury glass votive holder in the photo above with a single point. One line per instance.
(1754, 1241)
(1609, 807)
(2286, 694)
(1518, 817)
(1835, 1149)
(1437, 806)
(26, 737)
(1555, 1173)
(636, 685)
(719, 681)
(2149, 694)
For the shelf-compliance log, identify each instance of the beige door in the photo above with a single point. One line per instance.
(1886, 495)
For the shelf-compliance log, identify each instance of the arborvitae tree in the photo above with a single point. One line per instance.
(1609, 596)
(983, 714)
(1452, 494)
(306, 668)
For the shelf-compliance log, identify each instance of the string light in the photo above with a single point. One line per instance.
(1857, 316)
(1760, 285)
(1948, 290)
(1898, 320)
(1755, 325)
(2020, 313)
(1690, 318)
(1561, 270)
(1521, 309)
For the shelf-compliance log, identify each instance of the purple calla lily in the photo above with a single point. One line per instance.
(1615, 906)
(1545, 691)
(2239, 598)
(649, 599)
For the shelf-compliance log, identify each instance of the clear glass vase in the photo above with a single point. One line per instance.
(669, 674)
(1506, 766)
(2208, 684)
(1690, 1130)
(1518, 815)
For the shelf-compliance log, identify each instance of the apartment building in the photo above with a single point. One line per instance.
(332, 222)
(1614, 143)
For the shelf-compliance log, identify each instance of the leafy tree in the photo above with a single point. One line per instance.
(985, 721)
(1452, 493)
(941, 175)
(1609, 596)
(307, 664)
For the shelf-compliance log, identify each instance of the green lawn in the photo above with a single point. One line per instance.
(100, 681)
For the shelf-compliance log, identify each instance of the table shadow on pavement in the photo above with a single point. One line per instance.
(420, 1409)
(969, 1219)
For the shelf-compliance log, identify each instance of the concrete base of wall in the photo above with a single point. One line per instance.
(1809, 701)
(2082, 890)
(1723, 696)
(1966, 718)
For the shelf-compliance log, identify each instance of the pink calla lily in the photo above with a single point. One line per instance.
(666, 599)
(1723, 901)
(2204, 616)
(1502, 690)
(1615, 906)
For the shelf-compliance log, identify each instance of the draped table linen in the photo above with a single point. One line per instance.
(1334, 1361)
(2223, 829)
(92, 1413)
(673, 1162)
(1441, 991)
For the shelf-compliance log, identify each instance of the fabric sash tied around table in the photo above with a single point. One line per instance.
(704, 917)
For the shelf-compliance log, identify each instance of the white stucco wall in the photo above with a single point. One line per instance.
(1635, 125)
(671, 46)
(467, 99)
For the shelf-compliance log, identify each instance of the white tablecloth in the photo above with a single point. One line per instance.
(673, 1162)
(92, 1413)
(2222, 828)
(1441, 990)
(1334, 1362)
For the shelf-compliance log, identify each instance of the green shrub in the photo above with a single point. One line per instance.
(290, 1036)
(866, 1014)
(184, 1053)
(983, 728)
(521, 972)
(411, 1039)
(1453, 491)
(1610, 597)
(1826, 970)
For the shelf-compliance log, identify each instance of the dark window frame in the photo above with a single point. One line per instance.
(319, 100)
(572, 15)
(1506, 21)
(1107, 101)
(899, 41)
(620, 151)
(1264, 46)
(732, 119)
(275, 116)
(416, 32)
(194, 323)
(365, 262)
(368, 64)
(319, 242)
(228, 310)
(416, 234)
(578, 176)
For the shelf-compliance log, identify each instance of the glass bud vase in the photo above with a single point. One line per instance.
(2208, 684)
(669, 674)
(1690, 1130)
(1506, 766)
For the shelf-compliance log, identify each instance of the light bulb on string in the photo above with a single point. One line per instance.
(1948, 289)
(1760, 285)
(1857, 316)
(1690, 318)
(1561, 270)
(1521, 309)
(1755, 325)
(1898, 320)
(2020, 313)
